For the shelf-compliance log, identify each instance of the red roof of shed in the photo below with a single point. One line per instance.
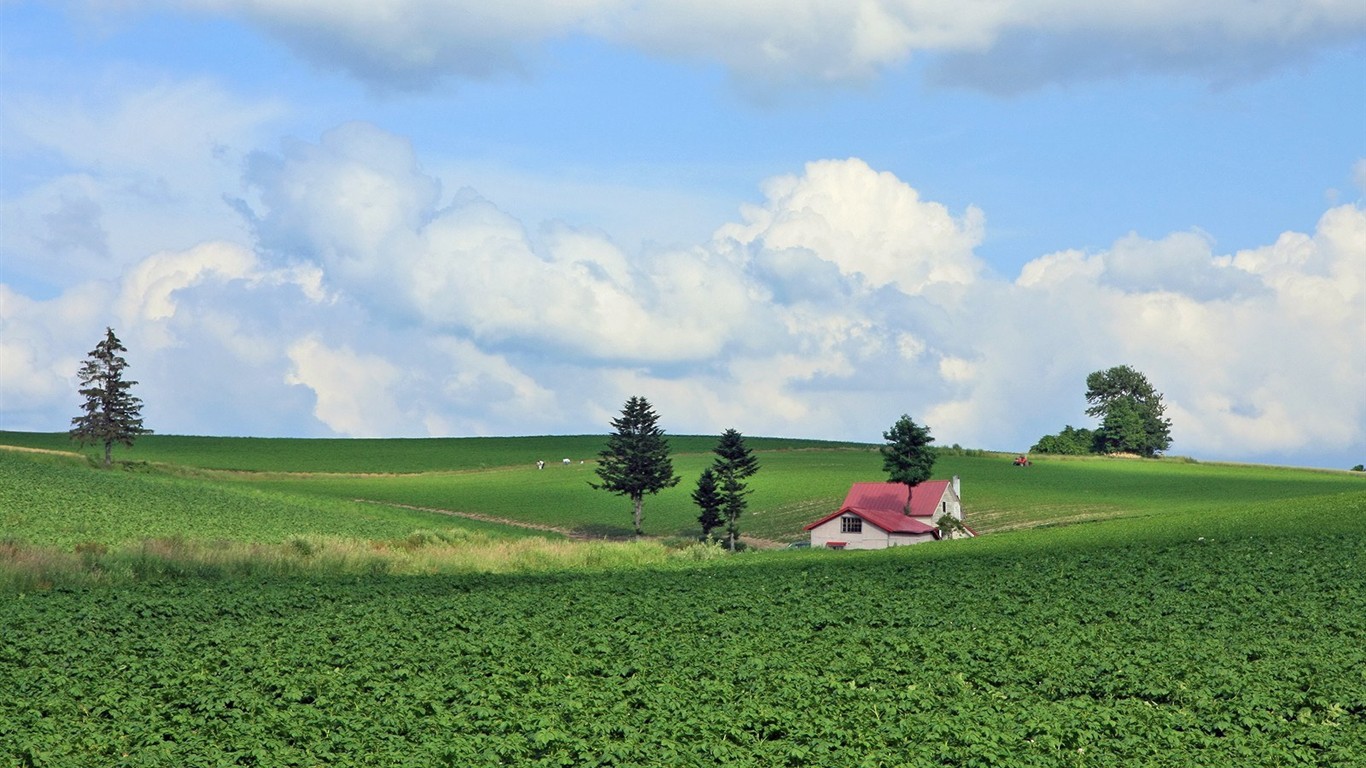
(884, 505)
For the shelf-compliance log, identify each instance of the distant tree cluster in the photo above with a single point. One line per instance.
(636, 462)
(1069, 442)
(1132, 418)
(721, 489)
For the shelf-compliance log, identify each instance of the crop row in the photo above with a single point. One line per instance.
(1227, 651)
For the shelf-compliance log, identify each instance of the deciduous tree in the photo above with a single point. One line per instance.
(1130, 410)
(636, 460)
(111, 414)
(907, 457)
(1069, 442)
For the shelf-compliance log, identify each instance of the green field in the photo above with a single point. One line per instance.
(496, 477)
(1114, 613)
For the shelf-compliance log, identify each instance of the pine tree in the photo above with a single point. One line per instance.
(111, 413)
(907, 456)
(636, 460)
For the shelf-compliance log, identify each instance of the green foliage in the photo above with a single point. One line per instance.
(800, 482)
(1225, 641)
(734, 463)
(708, 500)
(110, 413)
(1068, 442)
(636, 460)
(1131, 412)
(733, 457)
(1206, 615)
(907, 456)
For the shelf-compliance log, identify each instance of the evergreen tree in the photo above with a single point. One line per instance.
(636, 460)
(733, 504)
(733, 455)
(708, 499)
(111, 413)
(1130, 410)
(907, 457)
(734, 464)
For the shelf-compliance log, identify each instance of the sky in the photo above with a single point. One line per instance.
(801, 218)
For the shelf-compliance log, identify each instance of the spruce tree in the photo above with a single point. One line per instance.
(708, 500)
(636, 460)
(111, 413)
(734, 464)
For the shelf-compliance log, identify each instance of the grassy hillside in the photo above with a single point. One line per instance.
(794, 487)
(1133, 613)
(265, 490)
(380, 456)
(53, 500)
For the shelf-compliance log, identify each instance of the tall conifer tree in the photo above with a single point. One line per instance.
(636, 460)
(734, 464)
(111, 414)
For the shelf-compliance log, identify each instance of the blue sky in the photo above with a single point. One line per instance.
(804, 219)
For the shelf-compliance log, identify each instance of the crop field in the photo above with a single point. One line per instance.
(1116, 613)
(1245, 650)
(54, 501)
(373, 456)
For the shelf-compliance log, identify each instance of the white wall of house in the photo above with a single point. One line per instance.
(871, 537)
(901, 539)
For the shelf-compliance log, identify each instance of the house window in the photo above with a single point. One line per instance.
(851, 525)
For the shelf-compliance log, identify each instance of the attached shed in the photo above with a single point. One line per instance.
(878, 515)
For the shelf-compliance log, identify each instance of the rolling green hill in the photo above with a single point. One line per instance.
(1136, 613)
(216, 488)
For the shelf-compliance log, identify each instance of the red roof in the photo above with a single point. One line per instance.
(884, 505)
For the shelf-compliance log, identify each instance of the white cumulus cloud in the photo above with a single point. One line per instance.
(987, 44)
(376, 303)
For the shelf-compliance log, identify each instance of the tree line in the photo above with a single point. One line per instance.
(1132, 418)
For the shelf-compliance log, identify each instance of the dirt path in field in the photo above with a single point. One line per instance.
(749, 541)
(481, 518)
(48, 451)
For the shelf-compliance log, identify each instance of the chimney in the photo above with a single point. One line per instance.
(956, 488)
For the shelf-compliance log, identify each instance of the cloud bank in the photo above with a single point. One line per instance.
(369, 299)
(985, 44)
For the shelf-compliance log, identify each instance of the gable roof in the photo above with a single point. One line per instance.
(884, 505)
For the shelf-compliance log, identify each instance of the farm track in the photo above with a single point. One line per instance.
(47, 451)
(566, 532)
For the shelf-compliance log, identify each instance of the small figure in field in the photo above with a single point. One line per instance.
(566, 462)
(540, 465)
(1022, 461)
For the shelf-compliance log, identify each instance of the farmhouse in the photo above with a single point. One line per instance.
(877, 516)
